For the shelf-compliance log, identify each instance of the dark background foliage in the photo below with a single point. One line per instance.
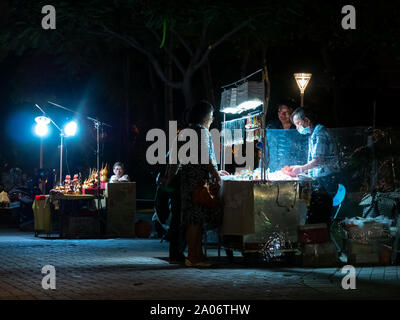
(105, 60)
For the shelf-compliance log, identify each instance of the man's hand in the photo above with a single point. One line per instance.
(296, 170)
(223, 173)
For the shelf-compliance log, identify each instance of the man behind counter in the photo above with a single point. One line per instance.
(322, 164)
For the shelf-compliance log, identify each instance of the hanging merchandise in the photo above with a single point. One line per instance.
(250, 135)
(234, 132)
(253, 122)
(257, 134)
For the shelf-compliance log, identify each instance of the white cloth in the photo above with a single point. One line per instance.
(124, 178)
(238, 201)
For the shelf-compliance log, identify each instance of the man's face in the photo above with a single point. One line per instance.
(118, 171)
(298, 122)
(284, 114)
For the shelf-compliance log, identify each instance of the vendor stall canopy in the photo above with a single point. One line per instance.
(245, 97)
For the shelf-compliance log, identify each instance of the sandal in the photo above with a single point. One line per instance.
(202, 264)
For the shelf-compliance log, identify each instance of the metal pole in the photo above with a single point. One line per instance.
(97, 125)
(98, 150)
(223, 144)
(41, 153)
(302, 99)
(41, 164)
(374, 176)
(61, 156)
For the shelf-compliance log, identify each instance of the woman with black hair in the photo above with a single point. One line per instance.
(193, 175)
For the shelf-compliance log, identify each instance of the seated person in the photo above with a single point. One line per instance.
(119, 175)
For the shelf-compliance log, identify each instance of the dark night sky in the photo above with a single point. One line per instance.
(96, 91)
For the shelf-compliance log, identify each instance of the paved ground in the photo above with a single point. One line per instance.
(138, 269)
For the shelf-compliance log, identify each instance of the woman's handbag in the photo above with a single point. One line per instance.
(203, 196)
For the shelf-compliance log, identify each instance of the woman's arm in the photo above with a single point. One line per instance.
(214, 172)
(171, 172)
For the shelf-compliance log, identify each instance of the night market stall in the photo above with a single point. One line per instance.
(89, 208)
(266, 207)
(263, 209)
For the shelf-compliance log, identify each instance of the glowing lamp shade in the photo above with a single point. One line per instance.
(302, 80)
(42, 120)
(249, 105)
(41, 129)
(70, 128)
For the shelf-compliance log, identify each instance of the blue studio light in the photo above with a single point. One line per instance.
(41, 128)
(70, 128)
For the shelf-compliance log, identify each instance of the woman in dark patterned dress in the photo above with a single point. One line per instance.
(197, 217)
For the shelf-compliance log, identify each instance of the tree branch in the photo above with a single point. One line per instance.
(173, 57)
(184, 44)
(157, 67)
(223, 38)
(201, 44)
(133, 43)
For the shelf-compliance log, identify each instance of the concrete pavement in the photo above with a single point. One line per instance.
(139, 269)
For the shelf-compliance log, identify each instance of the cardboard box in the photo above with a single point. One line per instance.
(313, 233)
(354, 247)
(363, 258)
(372, 252)
(121, 208)
(319, 255)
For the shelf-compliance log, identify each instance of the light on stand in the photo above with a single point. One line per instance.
(41, 129)
(70, 129)
(302, 80)
(42, 120)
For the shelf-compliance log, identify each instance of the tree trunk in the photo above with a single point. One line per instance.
(153, 86)
(208, 83)
(267, 85)
(127, 90)
(187, 89)
(168, 92)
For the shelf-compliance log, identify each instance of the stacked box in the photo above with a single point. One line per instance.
(369, 241)
(121, 207)
(371, 252)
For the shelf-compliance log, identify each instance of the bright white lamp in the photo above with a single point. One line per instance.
(70, 129)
